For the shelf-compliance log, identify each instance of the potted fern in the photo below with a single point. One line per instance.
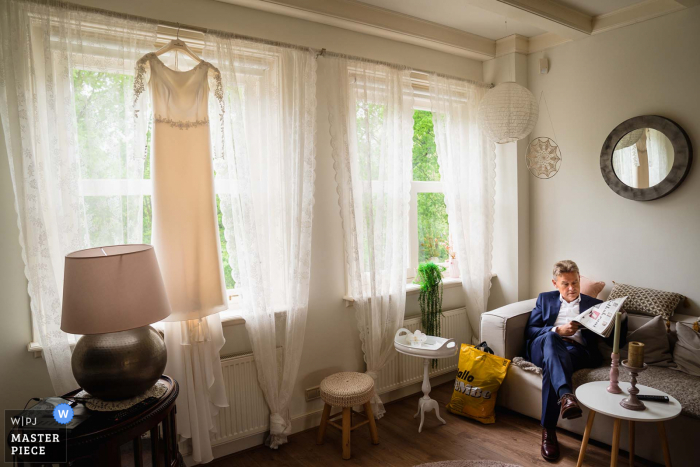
(429, 276)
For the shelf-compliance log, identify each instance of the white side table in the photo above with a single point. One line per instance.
(434, 347)
(598, 399)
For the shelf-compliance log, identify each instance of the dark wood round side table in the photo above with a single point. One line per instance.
(98, 440)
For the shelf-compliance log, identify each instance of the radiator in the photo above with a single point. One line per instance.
(247, 413)
(404, 370)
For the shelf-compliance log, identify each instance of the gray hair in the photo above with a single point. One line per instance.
(562, 267)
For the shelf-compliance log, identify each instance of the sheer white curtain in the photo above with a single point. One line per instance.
(267, 201)
(468, 170)
(76, 158)
(626, 165)
(660, 153)
(371, 127)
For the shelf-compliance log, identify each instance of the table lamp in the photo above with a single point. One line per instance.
(111, 295)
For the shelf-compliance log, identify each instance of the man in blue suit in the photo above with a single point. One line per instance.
(561, 347)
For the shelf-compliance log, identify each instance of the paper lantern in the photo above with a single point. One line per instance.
(508, 113)
(629, 139)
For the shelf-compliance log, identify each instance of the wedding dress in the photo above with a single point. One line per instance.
(185, 231)
(185, 237)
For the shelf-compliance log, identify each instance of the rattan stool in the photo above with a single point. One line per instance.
(347, 390)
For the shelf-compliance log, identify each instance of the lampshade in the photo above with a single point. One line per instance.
(113, 288)
(508, 113)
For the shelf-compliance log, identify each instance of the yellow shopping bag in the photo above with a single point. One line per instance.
(479, 377)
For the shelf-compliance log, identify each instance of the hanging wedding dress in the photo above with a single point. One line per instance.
(185, 237)
(185, 228)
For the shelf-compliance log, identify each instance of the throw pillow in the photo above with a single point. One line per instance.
(657, 349)
(646, 301)
(590, 287)
(686, 354)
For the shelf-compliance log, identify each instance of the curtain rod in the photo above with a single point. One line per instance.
(326, 53)
(319, 53)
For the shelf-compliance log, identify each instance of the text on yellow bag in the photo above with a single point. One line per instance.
(476, 386)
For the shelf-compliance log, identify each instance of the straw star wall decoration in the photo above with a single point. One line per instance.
(543, 157)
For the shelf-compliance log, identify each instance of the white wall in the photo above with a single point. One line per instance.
(593, 85)
(332, 339)
(511, 249)
(21, 375)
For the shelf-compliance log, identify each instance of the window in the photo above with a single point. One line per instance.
(102, 101)
(429, 231)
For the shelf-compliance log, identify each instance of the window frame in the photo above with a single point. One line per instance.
(144, 187)
(420, 103)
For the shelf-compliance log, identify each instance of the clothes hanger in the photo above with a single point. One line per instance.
(178, 46)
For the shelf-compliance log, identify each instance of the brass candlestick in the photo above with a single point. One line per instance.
(632, 402)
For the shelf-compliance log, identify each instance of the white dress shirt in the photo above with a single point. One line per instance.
(567, 312)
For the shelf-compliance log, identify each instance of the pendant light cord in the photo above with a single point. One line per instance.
(549, 116)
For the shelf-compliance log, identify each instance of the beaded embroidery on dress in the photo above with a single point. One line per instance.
(185, 231)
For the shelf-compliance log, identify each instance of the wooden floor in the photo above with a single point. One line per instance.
(514, 438)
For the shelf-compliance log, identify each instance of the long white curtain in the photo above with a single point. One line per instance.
(268, 170)
(660, 153)
(626, 165)
(468, 170)
(371, 126)
(63, 69)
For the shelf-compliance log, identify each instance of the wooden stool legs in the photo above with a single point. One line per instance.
(324, 422)
(346, 426)
(372, 425)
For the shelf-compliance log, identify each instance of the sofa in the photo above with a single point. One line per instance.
(504, 331)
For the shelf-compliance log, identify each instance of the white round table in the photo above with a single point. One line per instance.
(596, 397)
(433, 347)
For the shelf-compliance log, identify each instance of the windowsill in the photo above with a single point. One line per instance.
(447, 283)
(414, 289)
(230, 317)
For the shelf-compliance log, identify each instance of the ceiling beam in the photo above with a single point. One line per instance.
(638, 13)
(543, 14)
(545, 41)
(562, 24)
(689, 3)
(368, 19)
(512, 44)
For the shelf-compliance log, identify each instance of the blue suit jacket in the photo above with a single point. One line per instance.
(545, 314)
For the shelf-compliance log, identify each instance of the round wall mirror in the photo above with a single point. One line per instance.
(645, 158)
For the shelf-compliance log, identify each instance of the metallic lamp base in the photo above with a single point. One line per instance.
(119, 365)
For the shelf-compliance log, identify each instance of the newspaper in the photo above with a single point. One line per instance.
(601, 318)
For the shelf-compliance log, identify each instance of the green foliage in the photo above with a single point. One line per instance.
(425, 161)
(101, 100)
(433, 228)
(101, 103)
(230, 283)
(429, 276)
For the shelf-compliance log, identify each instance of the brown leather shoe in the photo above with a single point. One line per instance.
(569, 407)
(550, 445)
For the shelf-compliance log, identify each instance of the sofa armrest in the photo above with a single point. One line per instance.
(503, 329)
